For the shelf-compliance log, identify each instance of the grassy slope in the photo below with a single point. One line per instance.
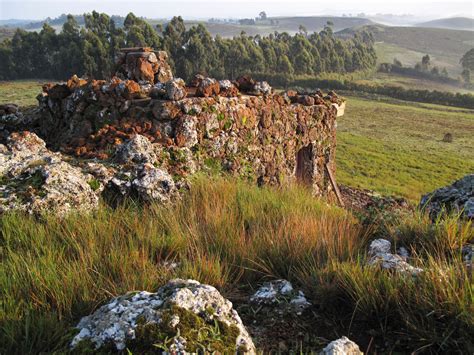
(397, 148)
(458, 23)
(409, 44)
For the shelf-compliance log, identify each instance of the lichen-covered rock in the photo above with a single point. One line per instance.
(175, 317)
(144, 183)
(379, 253)
(137, 150)
(36, 180)
(228, 89)
(186, 134)
(262, 88)
(282, 295)
(176, 89)
(342, 346)
(154, 185)
(458, 197)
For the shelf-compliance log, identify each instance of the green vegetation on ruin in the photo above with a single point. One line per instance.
(231, 235)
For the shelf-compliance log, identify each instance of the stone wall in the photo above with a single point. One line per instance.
(240, 127)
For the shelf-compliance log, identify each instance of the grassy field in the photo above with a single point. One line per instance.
(20, 92)
(397, 147)
(233, 236)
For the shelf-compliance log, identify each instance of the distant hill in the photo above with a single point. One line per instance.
(454, 23)
(279, 24)
(409, 44)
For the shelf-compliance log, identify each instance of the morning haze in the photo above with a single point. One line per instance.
(28, 9)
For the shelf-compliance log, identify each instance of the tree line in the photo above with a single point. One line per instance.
(89, 50)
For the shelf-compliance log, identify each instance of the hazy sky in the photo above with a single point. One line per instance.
(192, 9)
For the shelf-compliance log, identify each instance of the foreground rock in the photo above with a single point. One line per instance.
(342, 346)
(35, 180)
(175, 318)
(280, 295)
(457, 198)
(379, 253)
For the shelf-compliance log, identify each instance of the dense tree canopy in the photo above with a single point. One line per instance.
(90, 50)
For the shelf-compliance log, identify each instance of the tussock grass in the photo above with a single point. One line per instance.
(233, 236)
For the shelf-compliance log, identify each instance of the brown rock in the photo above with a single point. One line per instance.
(208, 87)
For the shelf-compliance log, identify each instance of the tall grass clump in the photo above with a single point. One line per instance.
(223, 232)
(232, 235)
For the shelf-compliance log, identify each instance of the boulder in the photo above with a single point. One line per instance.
(455, 198)
(342, 346)
(379, 253)
(35, 180)
(280, 294)
(137, 150)
(176, 317)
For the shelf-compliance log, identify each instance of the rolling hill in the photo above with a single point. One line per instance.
(409, 44)
(453, 23)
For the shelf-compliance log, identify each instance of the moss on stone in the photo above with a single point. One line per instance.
(201, 336)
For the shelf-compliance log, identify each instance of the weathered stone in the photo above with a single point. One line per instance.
(342, 346)
(122, 321)
(154, 185)
(228, 89)
(208, 87)
(186, 134)
(379, 253)
(280, 294)
(176, 89)
(456, 198)
(135, 151)
(36, 180)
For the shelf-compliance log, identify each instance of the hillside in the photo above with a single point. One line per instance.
(409, 44)
(454, 23)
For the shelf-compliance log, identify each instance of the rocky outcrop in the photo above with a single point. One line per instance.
(35, 180)
(342, 346)
(174, 319)
(455, 198)
(380, 255)
(280, 295)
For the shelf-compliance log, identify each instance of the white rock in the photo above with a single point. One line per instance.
(116, 322)
(342, 346)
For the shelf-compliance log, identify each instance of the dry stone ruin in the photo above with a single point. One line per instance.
(145, 123)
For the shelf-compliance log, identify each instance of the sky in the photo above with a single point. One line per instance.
(196, 9)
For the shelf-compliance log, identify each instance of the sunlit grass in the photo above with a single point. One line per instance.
(232, 235)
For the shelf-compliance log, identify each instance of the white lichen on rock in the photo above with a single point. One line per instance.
(342, 346)
(379, 253)
(135, 151)
(281, 294)
(117, 321)
(37, 180)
